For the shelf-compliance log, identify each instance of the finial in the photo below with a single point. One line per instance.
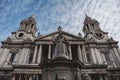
(86, 15)
(38, 34)
(59, 28)
(33, 15)
(79, 34)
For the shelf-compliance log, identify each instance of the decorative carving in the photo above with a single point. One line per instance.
(80, 35)
(20, 34)
(111, 40)
(8, 39)
(85, 76)
(104, 50)
(90, 40)
(27, 39)
(98, 34)
(14, 50)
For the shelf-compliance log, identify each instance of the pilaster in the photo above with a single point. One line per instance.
(39, 54)
(84, 54)
(35, 53)
(117, 54)
(80, 54)
(70, 53)
(49, 52)
(99, 56)
(13, 77)
(93, 56)
(3, 56)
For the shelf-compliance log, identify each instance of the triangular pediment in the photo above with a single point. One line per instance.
(67, 36)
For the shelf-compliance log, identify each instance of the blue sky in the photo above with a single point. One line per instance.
(69, 14)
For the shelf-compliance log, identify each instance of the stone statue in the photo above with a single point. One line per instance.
(61, 49)
(85, 77)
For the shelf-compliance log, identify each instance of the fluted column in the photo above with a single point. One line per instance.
(13, 78)
(117, 54)
(35, 54)
(93, 56)
(99, 56)
(84, 54)
(30, 78)
(39, 54)
(26, 55)
(80, 54)
(49, 52)
(3, 56)
(114, 57)
(8, 58)
(70, 53)
(106, 77)
(100, 76)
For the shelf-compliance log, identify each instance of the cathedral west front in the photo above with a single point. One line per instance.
(59, 55)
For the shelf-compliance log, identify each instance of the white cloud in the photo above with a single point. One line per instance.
(67, 13)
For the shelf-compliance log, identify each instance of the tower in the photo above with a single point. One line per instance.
(26, 31)
(93, 32)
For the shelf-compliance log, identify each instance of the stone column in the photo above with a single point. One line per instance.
(106, 77)
(30, 78)
(39, 54)
(117, 54)
(27, 52)
(80, 54)
(8, 58)
(100, 76)
(93, 56)
(70, 53)
(13, 78)
(49, 52)
(99, 56)
(24, 55)
(84, 54)
(3, 56)
(35, 53)
(1, 49)
(114, 57)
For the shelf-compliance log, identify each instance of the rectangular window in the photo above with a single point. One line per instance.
(12, 57)
(45, 48)
(107, 57)
(88, 55)
(31, 57)
(74, 50)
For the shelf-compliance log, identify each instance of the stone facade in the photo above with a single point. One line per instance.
(59, 55)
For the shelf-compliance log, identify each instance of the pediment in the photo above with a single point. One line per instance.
(66, 35)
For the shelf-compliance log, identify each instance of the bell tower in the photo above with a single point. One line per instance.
(28, 25)
(93, 32)
(26, 31)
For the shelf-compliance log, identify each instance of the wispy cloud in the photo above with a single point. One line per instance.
(67, 13)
